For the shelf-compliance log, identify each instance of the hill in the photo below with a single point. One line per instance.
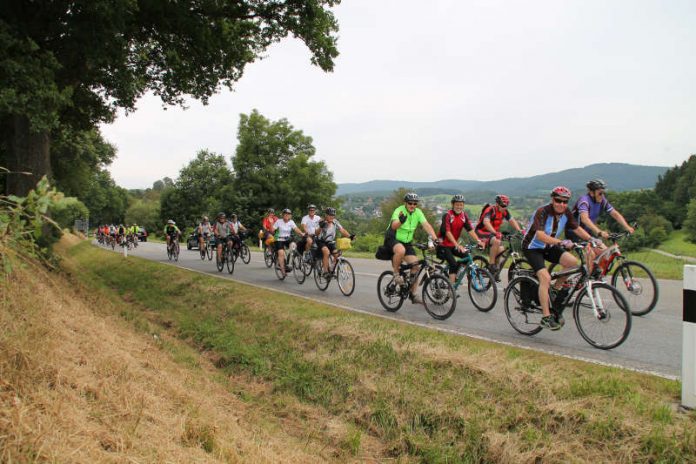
(620, 177)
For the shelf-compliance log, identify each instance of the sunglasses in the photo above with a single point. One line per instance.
(564, 202)
(412, 203)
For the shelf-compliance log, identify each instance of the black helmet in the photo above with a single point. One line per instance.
(458, 197)
(330, 211)
(221, 214)
(411, 196)
(596, 184)
(287, 210)
(311, 206)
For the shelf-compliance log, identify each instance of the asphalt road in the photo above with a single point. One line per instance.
(654, 344)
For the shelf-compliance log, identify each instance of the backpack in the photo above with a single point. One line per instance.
(483, 211)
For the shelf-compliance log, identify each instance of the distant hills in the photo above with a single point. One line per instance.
(619, 176)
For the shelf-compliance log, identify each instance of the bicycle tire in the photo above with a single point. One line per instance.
(517, 266)
(229, 261)
(245, 253)
(297, 271)
(481, 261)
(345, 277)
(388, 293)
(322, 283)
(268, 257)
(220, 260)
(177, 250)
(439, 298)
(169, 252)
(482, 289)
(632, 288)
(523, 317)
(584, 316)
(307, 262)
(203, 251)
(209, 250)
(279, 271)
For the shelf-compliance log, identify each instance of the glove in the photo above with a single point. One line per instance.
(352, 237)
(322, 224)
(567, 244)
(402, 217)
(498, 235)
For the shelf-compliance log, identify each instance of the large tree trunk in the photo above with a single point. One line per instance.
(28, 152)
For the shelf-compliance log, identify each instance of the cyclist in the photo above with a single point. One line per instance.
(171, 232)
(326, 238)
(283, 228)
(222, 230)
(133, 234)
(310, 223)
(121, 234)
(204, 229)
(237, 227)
(541, 243)
(404, 221)
(453, 221)
(267, 224)
(488, 228)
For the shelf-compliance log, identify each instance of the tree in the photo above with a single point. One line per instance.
(145, 213)
(690, 221)
(273, 167)
(106, 201)
(73, 63)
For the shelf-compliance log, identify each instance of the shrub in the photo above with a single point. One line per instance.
(690, 221)
(68, 209)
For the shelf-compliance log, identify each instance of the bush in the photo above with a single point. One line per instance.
(67, 210)
(368, 242)
(690, 221)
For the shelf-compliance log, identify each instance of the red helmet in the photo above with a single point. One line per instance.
(502, 200)
(561, 192)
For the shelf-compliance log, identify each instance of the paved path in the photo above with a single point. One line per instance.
(685, 258)
(654, 344)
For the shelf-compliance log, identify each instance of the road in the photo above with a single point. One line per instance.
(654, 344)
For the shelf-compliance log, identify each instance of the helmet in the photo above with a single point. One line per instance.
(311, 206)
(502, 200)
(171, 222)
(411, 196)
(205, 218)
(458, 197)
(287, 210)
(221, 214)
(233, 215)
(560, 192)
(270, 211)
(330, 211)
(596, 184)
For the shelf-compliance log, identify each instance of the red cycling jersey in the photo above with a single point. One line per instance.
(496, 216)
(453, 222)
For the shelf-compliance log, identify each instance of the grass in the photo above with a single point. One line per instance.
(662, 266)
(397, 392)
(678, 245)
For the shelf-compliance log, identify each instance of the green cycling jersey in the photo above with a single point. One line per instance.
(405, 233)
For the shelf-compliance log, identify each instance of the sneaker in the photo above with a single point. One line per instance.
(399, 280)
(327, 275)
(560, 319)
(415, 299)
(549, 322)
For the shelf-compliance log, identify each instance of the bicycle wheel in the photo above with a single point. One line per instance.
(209, 250)
(637, 285)
(319, 279)
(482, 289)
(169, 252)
(245, 253)
(279, 268)
(603, 319)
(388, 292)
(297, 271)
(345, 277)
(438, 297)
(307, 262)
(521, 310)
(268, 257)
(229, 260)
(220, 260)
(234, 252)
(481, 261)
(203, 250)
(516, 266)
(176, 251)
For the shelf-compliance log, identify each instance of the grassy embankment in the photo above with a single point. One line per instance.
(678, 245)
(339, 386)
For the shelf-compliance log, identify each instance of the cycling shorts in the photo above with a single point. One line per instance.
(392, 242)
(278, 245)
(537, 256)
(330, 245)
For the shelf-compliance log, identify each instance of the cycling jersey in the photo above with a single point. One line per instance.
(496, 216)
(328, 232)
(454, 223)
(223, 229)
(171, 230)
(311, 223)
(545, 219)
(284, 229)
(269, 221)
(405, 233)
(586, 204)
(204, 228)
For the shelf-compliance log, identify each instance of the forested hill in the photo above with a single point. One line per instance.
(619, 176)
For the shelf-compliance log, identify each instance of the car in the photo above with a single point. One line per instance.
(192, 241)
(142, 234)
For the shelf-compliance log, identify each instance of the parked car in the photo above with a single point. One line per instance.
(142, 234)
(192, 241)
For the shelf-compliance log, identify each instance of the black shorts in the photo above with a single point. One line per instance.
(410, 251)
(536, 257)
(278, 245)
(330, 245)
(448, 254)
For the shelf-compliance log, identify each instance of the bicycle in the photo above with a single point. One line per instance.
(341, 270)
(635, 281)
(206, 250)
(512, 251)
(601, 313)
(225, 257)
(438, 294)
(173, 249)
(240, 249)
(481, 287)
(291, 257)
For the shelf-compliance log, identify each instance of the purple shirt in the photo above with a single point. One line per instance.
(586, 204)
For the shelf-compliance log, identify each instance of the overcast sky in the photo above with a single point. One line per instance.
(440, 89)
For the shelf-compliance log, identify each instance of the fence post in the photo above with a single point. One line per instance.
(688, 398)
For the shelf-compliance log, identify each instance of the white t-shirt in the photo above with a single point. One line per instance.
(284, 229)
(311, 223)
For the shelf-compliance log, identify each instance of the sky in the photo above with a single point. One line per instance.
(454, 89)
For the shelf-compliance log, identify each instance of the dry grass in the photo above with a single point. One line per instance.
(79, 385)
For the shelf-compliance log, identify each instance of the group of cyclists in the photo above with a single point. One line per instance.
(541, 241)
(112, 235)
